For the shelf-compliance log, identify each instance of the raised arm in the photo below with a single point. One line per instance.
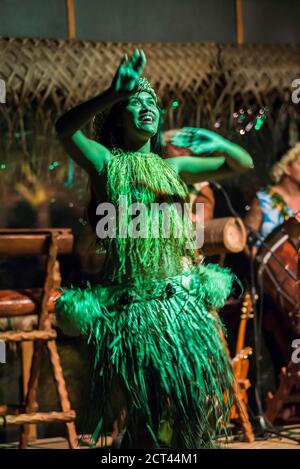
(230, 158)
(89, 154)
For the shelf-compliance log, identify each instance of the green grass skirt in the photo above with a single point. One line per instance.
(162, 345)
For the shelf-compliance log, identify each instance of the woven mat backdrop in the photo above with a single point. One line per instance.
(46, 77)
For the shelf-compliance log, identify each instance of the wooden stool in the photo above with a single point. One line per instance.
(13, 305)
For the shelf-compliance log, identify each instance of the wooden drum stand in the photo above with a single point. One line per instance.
(16, 305)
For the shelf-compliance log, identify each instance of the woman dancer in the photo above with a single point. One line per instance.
(160, 370)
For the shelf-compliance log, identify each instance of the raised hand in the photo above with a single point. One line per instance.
(126, 80)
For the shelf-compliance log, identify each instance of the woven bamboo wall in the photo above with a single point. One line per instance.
(46, 77)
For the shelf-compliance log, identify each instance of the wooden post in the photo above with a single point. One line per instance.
(71, 19)
(27, 353)
(239, 22)
(62, 392)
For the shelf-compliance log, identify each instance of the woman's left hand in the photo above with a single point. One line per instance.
(126, 80)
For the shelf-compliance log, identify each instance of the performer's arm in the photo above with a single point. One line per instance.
(230, 160)
(253, 220)
(254, 216)
(89, 154)
(193, 169)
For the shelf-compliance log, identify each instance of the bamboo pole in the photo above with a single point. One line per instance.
(71, 19)
(239, 22)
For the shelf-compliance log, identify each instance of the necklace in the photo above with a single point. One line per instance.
(279, 203)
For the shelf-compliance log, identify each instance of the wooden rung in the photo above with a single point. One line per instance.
(37, 417)
(19, 336)
(14, 243)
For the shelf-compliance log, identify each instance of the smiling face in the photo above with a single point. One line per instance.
(140, 118)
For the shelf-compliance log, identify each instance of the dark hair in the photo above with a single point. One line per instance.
(108, 132)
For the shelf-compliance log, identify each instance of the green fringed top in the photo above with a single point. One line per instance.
(151, 327)
(146, 252)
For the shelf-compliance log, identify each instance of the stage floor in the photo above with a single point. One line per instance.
(270, 443)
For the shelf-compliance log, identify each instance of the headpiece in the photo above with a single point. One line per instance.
(144, 85)
(278, 170)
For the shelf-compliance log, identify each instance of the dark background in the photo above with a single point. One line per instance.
(266, 21)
